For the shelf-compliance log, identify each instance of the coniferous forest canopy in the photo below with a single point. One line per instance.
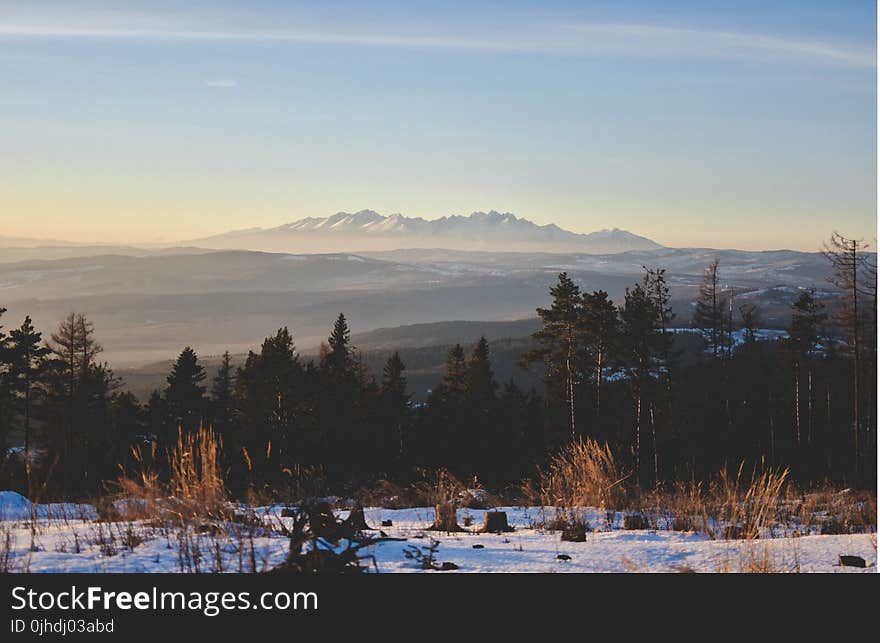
(614, 371)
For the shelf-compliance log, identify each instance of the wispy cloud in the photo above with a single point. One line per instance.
(222, 83)
(699, 42)
(635, 40)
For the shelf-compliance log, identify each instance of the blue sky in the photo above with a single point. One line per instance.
(747, 124)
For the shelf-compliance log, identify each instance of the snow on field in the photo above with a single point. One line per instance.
(67, 538)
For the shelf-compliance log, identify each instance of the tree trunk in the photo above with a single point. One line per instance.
(445, 518)
(639, 434)
(598, 384)
(654, 440)
(570, 378)
(809, 406)
(495, 522)
(797, 406)
(856, 350)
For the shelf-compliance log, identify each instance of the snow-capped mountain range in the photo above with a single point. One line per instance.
(369, 230)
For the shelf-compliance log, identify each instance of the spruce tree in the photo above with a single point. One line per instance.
(395, 400)
(338, 359)
(393, 378)
(454, 384)
(222, 388)
(184, 392)
(480, 384)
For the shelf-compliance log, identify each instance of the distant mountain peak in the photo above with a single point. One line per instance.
(369, 230)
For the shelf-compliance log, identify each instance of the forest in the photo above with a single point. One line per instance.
(612, 372)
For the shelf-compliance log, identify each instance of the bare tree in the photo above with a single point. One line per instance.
(848, 260)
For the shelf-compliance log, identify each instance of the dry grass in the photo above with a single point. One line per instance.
(438, 487)
(745, 507)
(196, 477)
(738, 505)
(384, 493)
(194, 491)
(583, 474)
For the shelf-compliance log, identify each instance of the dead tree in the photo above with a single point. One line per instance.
(848, 260)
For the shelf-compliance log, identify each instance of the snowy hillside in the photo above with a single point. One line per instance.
(67, 538)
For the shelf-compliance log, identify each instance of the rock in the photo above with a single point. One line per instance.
(563, 557)
(495, 523)
(446, 567)
(386, 523)
(852, 561)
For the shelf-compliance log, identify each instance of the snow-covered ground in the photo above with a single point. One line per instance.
(67, 538)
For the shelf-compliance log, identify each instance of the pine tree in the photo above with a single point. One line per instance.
(600, 327)
(709, 313)
(74, 349)
(804, 335)
(80, 448)
(559, 343)
(184, 392)
(269, 396)
(27, 365)
(641, 343)
(5, 390)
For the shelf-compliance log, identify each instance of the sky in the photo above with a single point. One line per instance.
(715, 124)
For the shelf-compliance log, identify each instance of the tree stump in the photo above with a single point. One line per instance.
(356, 521)
(495, 523)
(575, 533)
(445, 518)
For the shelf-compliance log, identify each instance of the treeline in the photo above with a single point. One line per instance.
(612, 372)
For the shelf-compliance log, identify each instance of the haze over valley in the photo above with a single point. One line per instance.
(149, 302)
